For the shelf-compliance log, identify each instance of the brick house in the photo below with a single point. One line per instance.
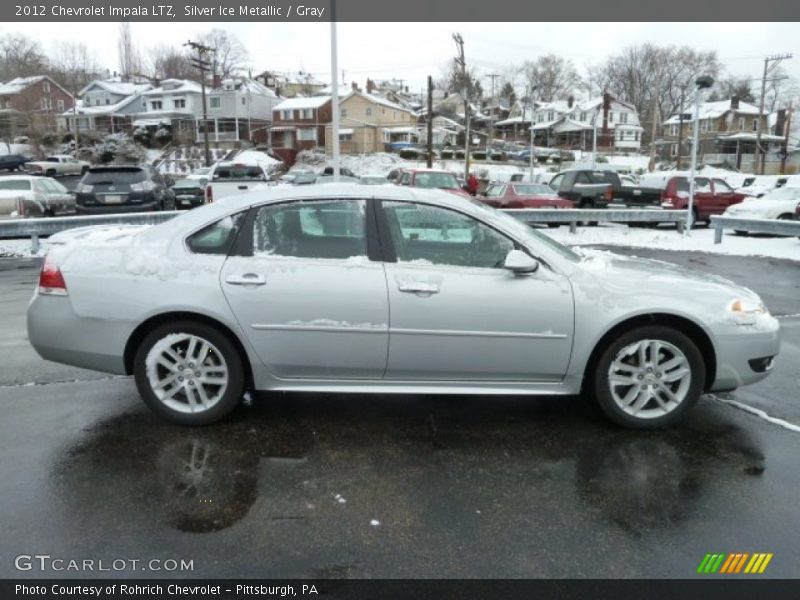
(31, 104)
(299, 124)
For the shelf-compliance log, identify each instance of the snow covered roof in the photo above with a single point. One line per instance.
(301, 102)
(343, 90)
(513, 121)
(101, 109)
(751, 136)
(175, 86)
(244, 85)
(122, 88)
(18, 84)
(714, 110)
(378, 100)
(557, 106)
(301, 78)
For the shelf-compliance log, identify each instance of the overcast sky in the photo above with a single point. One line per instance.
(411, 51)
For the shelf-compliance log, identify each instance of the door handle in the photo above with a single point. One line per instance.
(246, 279)
(419, 287)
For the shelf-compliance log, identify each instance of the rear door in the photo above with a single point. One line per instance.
(311, 300)
(724, 195)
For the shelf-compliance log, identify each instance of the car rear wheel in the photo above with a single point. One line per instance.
(189, 373)
(649, 377)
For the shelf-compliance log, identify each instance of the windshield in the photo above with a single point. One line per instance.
(526, 233)
(436, 180)
(239, 172)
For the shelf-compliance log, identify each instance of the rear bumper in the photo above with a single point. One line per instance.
(107, 209)
(60, 335)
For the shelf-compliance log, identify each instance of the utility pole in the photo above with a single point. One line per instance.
(461, 61)
(199, 61)
(786, 129)
(680, 130)
(490, 139)
(430, 121)
(334, 95)
(760, 156)
(653, 133)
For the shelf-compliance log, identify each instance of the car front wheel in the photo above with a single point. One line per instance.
(189, 373)
(649, 377)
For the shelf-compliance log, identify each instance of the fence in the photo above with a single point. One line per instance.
(772, 226)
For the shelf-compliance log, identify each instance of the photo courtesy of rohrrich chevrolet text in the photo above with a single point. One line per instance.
(359, 299)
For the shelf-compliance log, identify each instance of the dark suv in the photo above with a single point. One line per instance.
(123, 188)
(13, 162)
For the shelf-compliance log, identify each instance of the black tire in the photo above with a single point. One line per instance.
(83, 170)
(228, 400)
(587, 205)
(553, 225)
(50, 173)
(786, 217)
(600, 389)
(740, 232)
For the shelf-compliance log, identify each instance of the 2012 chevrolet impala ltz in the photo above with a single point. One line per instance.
(354, 288)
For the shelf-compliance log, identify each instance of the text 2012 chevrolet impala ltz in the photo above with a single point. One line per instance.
(350, 288)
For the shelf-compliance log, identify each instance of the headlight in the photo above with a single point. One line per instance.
(746, 311)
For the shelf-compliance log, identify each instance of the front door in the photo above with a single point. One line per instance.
(311, 302)
(457, 314)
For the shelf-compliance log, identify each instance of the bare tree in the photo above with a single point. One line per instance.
(731, 85)
(20, 56)
(74, 65)
(130, 59)
(453, 81)
(552, 77)
(169, 62)
(229, 55)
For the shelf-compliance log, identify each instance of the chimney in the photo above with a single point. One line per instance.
(217, 81)
(570, 102)
(734, 102)
(354, 86)
(370, 85)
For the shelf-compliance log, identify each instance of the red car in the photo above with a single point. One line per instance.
(433, 179)
(523, 195)
(711, 196)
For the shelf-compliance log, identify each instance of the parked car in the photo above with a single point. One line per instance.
(759, 185)
(29, 196)
(523, 195)
(57, 165)
(12, 162)
(712, 196)
(344, 171)
(433, 179)
(778, 204)
(597, 188)
(428, 293)
(229, 178)
(201, 174)
(123, 188)
(189, 193)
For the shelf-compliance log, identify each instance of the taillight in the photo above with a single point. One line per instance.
(209, 194)
(21, 205)
(610, 193)
(51, 281)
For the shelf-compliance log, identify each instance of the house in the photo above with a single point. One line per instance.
(29, 103)
(105, 105)
(176, 103)
(370, 123)
(239, 109)
(299, 124)
(290, 85)
(728, 130)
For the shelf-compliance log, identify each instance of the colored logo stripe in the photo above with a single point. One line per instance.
(734, 563)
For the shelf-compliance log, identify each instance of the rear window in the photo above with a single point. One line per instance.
(114, 175)
(604, 177)
(188, 183)
(239, 173)
(16, 185)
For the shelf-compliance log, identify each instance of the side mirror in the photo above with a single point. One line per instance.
(518, 262)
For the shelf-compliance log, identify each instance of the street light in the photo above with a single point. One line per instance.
(703, 83)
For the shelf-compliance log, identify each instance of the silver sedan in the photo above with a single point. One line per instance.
(346, 288)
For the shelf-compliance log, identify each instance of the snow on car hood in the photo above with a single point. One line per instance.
(760, 205)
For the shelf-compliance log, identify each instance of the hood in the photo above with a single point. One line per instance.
(760, 205)
(657, 276)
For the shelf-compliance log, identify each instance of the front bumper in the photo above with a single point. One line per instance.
(743, 352)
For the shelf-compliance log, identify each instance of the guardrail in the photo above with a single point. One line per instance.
(33, 228)
(573, 216)
(773, 226)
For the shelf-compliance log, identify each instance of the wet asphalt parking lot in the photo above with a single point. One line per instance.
(323, 485)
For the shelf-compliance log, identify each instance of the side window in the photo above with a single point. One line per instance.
(555, 183)
(495, 191)
(333, 229)
(721, 187)
(217, 238)
(431, 234)
(405, 179)
(582, 178)
(702, 185)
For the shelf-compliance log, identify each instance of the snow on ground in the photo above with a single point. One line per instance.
(24, 149)
(699, 240)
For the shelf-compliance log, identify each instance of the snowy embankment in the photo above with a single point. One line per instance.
(699, 240)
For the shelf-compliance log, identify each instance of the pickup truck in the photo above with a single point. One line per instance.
(229, 178)
(598, 189)
(57, 165)
(712, 196)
